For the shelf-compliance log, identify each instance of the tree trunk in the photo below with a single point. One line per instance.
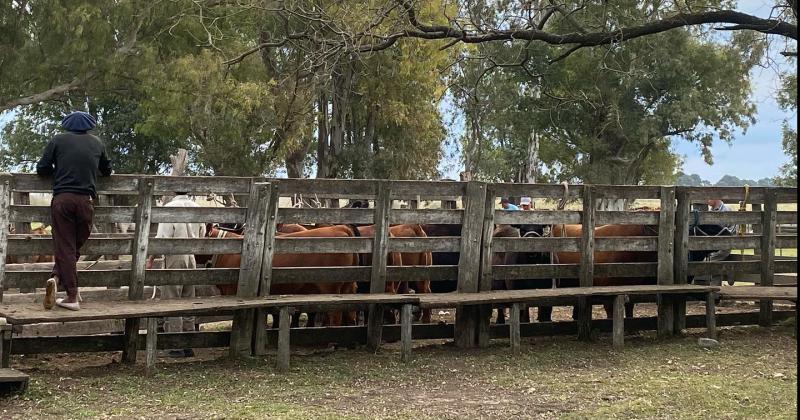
(322, 136)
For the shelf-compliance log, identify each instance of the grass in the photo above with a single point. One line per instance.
(752, 375)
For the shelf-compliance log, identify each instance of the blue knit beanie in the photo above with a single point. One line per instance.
(78, 121)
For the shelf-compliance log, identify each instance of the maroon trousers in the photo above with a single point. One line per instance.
(72, 223)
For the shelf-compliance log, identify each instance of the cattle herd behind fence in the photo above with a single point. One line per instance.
(474, 219)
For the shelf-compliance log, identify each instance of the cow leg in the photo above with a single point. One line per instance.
(574, 313)
(295, 319)
(425, 314)
(334, 319)
(629, 310)
(545, 314)
(524, 314)
(501, 315)
(312, 319)
(609, 310)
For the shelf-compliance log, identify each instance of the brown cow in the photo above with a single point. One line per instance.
(601, 257)
(300, 260)
(415, 259)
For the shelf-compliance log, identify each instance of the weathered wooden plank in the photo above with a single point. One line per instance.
(784, 217)
(449, 300)
(698, 243)
(586, 273)
(200, 246)
(380, 248)
(105, 185)
(768, 242)
(544, 217)
(361, 274)
(626, 218)
(758, 292)
(151, 346)
(554, 191)
(666, 244)
(469, 262)
(681, 253)
(199, 214)
(514, 328)
(433, 244)
(630, 243)
(202, 184)
(733, 194)
(364, 216)
(284, 351)
(43, 245)
(285, 245)
(487, 236)
(352, 188)
(531, 244)
(88, 278)
(700, 268)
(405, 333)
(550, 271)
(786, 241)
(102, 214)
(618, 333)
(5, 195)
(787, 266)
(711, 316)
(728, 217)
(426, 216)
(141, 238)
(265, 278)
(628, 192)
(250, 269)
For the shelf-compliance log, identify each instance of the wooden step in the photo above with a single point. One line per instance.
(12, 381)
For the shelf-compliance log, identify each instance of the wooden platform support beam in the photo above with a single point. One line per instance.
(405, 333)
(282, 362)
(138, 261)
(711, 315)
(151, 344)
(618, 326)
(514, 334)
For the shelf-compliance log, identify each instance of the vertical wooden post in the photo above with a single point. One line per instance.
(618, 334)
(681, 254)
(270, 224)
(768, 221)
(485, 279)
(514, 327)
(138, 260)
(711, 316)
(5, 196)
(151, 345)
(666, 239)
(284, 350)
(241, 341)
(405, 333)
(469, 263)
(5, 345)
(380, 249)
(586, 278)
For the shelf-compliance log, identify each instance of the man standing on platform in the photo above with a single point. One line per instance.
(182, 262)
(73, 159)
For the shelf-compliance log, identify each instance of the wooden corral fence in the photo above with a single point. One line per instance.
(474, 272)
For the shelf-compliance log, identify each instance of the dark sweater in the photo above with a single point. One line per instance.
(74, 160)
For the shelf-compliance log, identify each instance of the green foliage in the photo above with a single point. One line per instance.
(609, 114)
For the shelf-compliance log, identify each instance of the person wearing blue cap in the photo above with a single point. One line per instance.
(73, 159)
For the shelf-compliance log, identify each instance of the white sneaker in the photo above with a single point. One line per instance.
(72, 306)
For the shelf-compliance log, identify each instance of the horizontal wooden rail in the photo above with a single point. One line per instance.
(158, 246)
(364, 216)
(556, 244)
(537, 217)
(699, 243)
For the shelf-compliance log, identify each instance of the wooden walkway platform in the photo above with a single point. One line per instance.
(758, 293)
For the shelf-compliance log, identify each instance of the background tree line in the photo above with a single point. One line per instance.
(356, 89)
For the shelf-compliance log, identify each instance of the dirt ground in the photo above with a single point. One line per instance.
(753, 374)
